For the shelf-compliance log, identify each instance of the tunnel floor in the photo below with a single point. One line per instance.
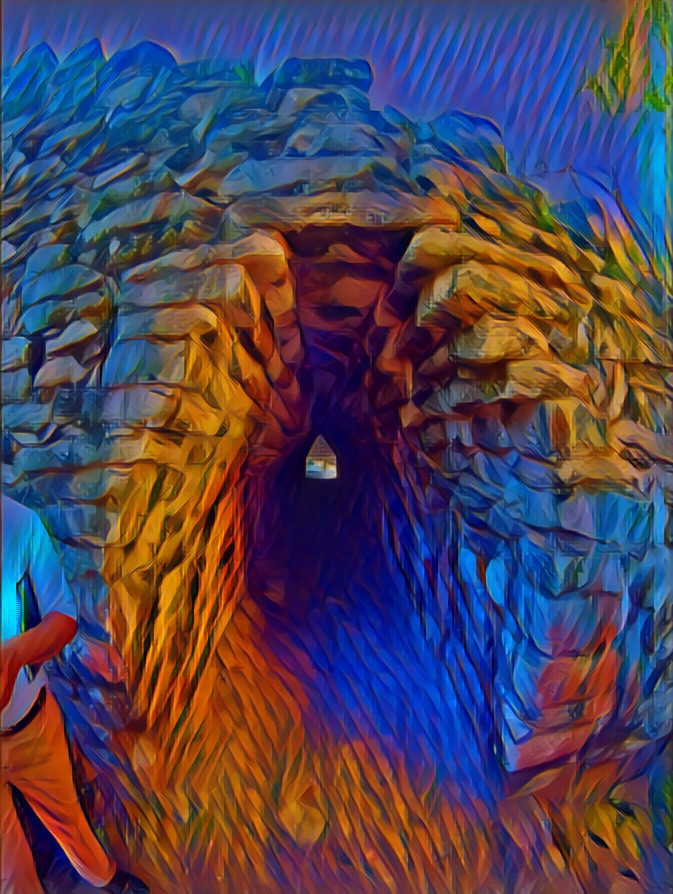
(347, 624)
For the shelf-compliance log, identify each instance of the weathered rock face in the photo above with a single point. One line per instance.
(460, 649)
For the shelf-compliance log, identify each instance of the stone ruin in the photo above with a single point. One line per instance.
(201, 274)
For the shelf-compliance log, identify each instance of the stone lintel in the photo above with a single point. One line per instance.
(360, 209)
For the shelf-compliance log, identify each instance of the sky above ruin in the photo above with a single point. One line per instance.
(520, 64)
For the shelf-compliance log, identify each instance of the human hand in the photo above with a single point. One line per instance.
(10, 665)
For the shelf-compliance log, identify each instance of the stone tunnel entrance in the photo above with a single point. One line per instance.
(293, 684)
(307, 683)
(341, 572)
(292, 641)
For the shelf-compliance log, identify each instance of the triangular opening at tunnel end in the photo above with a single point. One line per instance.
(321, 461)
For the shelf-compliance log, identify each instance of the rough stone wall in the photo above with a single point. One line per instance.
(150, 361)
(540, 403)
(542, 407)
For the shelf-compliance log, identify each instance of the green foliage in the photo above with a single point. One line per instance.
(246, 72)
(618, 77)
(668, 810)
(661, 22)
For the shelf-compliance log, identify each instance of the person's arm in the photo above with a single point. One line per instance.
(57, 606)
(35, 646)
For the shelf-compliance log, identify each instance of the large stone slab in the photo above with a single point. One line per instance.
(362, 209)
(168, 324)
(16, 354)
(16, 385)
(62, 283)
(138, 360)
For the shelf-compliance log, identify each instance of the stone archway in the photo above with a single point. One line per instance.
(194, 535)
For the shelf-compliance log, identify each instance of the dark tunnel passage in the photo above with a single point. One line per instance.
(358, 623)
(348, 621)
